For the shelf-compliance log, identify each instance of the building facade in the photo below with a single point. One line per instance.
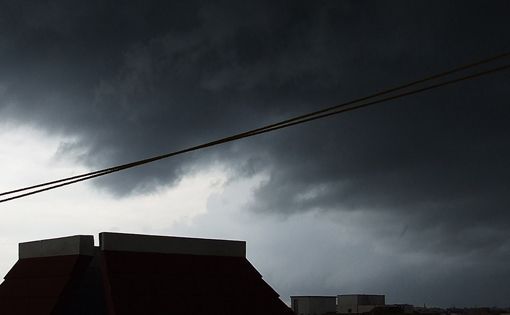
(358, 303)
(313, 305)
(131, 274)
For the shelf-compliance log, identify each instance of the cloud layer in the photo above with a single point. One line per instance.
(129, 81)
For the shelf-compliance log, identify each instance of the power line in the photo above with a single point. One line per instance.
(329, 111)
(413, 83)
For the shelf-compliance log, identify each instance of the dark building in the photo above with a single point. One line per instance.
(313, 304)
(359, 303)
(136, 274)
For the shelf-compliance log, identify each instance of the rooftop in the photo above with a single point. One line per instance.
(136, 274)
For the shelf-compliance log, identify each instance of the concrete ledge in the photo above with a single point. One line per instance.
(71, 245)
(170, 245)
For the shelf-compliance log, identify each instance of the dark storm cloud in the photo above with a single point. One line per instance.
(133, 80)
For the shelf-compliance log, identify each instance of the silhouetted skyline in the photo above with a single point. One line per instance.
(409, 198)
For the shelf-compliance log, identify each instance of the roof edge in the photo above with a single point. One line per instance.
(314, 296)
(109, 241)
(62, 246)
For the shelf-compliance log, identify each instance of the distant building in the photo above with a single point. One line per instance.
(358, 303)
(132, 274)
(313, 305)
(393, 309)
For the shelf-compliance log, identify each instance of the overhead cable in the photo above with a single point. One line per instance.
(375, 98)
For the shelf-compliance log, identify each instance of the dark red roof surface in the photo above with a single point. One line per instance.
(152, 283)
(137, 283)
(36, 285)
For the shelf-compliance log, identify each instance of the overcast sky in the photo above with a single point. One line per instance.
(410, 198)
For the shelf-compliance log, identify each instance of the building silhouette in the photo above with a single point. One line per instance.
(313, 305)
(359, 303)
(341, 304)
(136, 274)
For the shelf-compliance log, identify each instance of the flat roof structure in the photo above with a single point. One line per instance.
(70, 245)
(170, 245)
(313, 296)
(313, 304)
(136, 274)
(359, 303)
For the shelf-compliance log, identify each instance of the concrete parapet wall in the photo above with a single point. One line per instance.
(71, 245)
(170, 245)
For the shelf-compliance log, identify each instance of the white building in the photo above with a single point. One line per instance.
(313, 305)
(358, 303)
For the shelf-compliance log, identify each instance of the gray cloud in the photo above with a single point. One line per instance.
(134, 80)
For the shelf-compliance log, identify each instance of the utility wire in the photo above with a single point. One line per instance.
(383, 92)
(333, 110)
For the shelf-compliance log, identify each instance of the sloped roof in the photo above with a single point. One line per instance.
(153, 283)
(36, 285)
(132, 274)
